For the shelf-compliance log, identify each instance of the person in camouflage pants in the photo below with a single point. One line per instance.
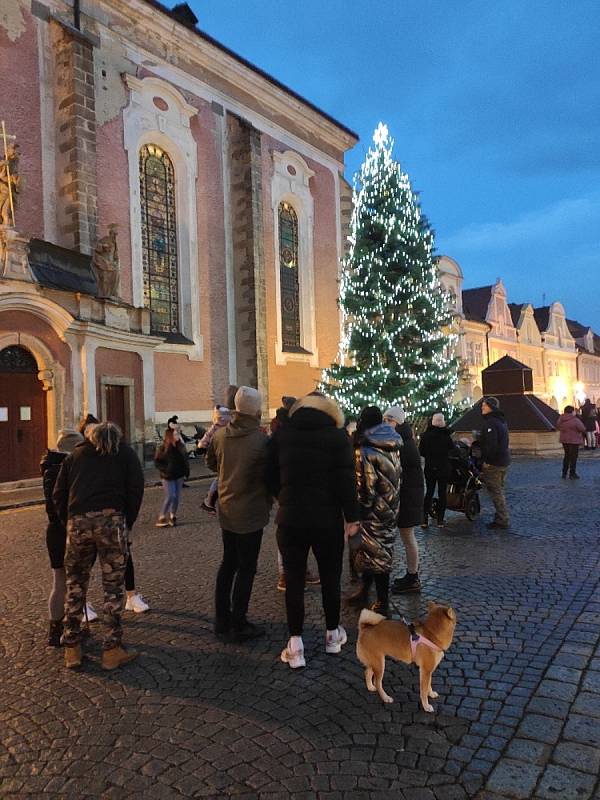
(103, 533)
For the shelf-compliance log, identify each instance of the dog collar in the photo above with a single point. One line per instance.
(417, 639)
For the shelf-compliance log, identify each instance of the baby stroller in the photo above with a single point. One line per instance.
(464, 484)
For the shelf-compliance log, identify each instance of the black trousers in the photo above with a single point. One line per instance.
(382, 585)
(436, 477)
(235, 578)
(570, 458)
(328, 546)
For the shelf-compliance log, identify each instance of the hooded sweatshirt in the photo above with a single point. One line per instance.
(238, 455)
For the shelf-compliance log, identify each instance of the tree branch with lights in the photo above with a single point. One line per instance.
(396, 349)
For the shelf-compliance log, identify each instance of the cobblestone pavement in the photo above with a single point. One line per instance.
(519, 708)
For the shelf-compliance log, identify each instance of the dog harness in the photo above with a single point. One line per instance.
(417, 638)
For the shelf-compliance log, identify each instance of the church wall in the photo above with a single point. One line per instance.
(20, 109)
(297, 378)
(115, 364)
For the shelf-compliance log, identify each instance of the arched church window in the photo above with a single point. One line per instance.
(288, 274)
(159, 239)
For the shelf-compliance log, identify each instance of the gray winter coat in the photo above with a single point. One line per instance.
(378, 472)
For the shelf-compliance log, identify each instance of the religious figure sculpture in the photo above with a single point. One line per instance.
(105, 263)
(9, 183)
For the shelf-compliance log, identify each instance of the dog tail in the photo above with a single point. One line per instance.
(369, 618)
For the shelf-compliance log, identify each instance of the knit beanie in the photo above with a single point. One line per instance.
(438, 420)
(68, 440)
(247, 401)
(492, 402)
(396, 413)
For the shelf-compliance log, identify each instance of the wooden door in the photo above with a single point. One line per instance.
(23, 427)
(116, 407)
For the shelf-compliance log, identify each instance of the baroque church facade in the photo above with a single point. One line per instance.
(178, 225)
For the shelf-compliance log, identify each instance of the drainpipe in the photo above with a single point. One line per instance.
(76, 14)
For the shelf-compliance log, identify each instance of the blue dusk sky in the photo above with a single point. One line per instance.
(494, 108)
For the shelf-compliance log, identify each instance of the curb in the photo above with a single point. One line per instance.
(147, 485)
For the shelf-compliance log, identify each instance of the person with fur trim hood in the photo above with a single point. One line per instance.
(378, 470)
(220, 418)
(435, 446)
(412, 496)
(310, 470)
(238, 455)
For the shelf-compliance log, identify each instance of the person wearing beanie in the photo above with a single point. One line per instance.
(412, 495)
(435, 447)
(238, 455)
(56, 533)
(310, 471)
(495, 456)
(378, 469)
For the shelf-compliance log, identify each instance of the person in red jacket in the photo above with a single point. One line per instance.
(572, 432)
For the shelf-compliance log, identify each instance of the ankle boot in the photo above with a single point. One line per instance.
(117, 656)
(73, 656)
(55, 632)
(359, 598)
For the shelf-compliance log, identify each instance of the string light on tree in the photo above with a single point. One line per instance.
(394, 348)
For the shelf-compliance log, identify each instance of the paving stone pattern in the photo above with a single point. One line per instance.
(519, 709)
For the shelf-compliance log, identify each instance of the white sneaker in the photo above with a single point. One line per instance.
(335, 640)
(295, 658)
(136, 603)
(89, 613)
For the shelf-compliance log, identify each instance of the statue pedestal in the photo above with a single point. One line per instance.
(14, 255)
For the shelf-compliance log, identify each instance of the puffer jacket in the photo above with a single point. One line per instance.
(571, 429)
(378, 471)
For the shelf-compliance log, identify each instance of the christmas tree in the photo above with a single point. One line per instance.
(394, 349)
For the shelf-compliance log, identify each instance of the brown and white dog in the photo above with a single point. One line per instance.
(379, 637)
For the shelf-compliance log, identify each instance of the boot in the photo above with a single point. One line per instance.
(425, 523)
(380, 607)
(359, 598)
(55, 632)
(408, 584)
(117, 656)
(73, 656)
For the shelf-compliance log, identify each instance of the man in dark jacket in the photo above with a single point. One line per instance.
(435, 446)
(495, 456)
(311, 472)
(98, 495)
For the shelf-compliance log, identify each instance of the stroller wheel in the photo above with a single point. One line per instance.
(472, 506)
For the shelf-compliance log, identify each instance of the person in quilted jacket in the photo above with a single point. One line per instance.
(378, 471)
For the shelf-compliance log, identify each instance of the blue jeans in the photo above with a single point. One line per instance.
(172, 495)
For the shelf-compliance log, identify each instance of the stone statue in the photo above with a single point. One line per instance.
(9, 184)
(105, 263)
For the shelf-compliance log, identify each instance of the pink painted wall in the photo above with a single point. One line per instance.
(299, 378)
(125, 365)
(20, 109)
(113, 194)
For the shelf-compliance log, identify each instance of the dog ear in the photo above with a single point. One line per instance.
(450, 613)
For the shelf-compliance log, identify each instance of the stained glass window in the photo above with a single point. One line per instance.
(159, 239)
(288, 278)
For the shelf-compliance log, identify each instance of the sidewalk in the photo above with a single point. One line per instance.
(34, 495)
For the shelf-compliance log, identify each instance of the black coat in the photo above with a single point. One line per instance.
(310, 467)
(435, 447)
(88, 481)
(588, 416)
(494, 440)
(412, 491)
(172, 462)
(50, 467)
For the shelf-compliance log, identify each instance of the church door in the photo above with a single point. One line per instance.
(116, 407)
(23, 429)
